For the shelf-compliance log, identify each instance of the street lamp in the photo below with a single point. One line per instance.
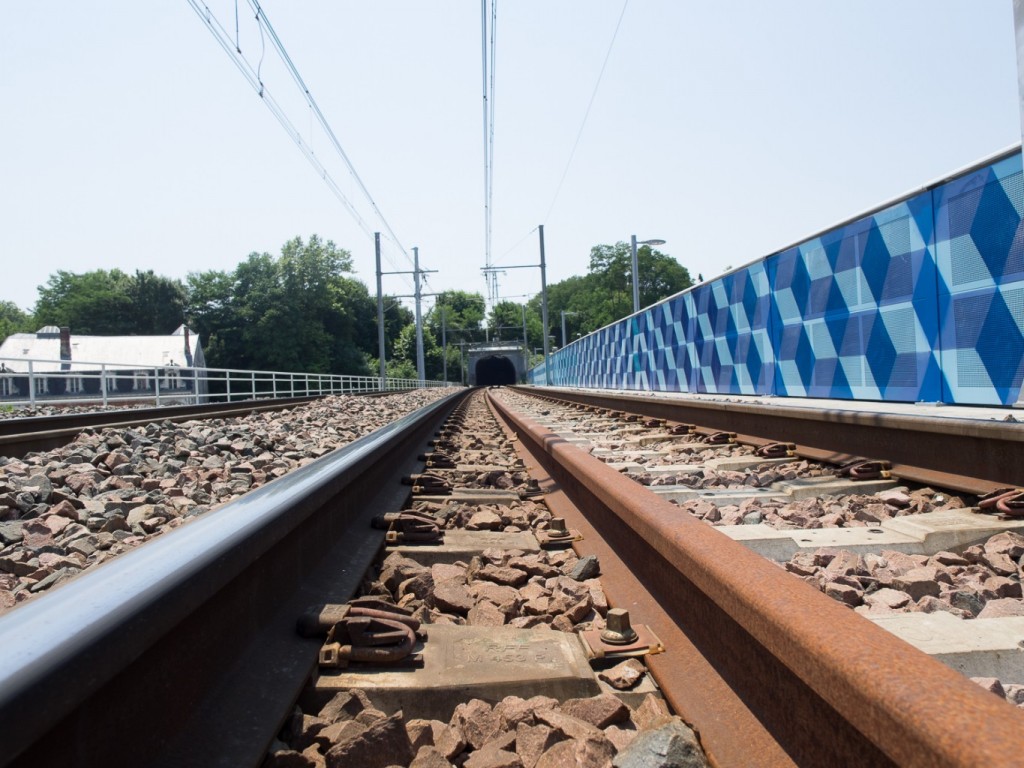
(564, 313)
(636, 272)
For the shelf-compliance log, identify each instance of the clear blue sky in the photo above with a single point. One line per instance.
(128, 138)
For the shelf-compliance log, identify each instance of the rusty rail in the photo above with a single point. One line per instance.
(794, 678)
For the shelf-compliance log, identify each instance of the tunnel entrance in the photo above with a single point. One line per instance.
(495, 371)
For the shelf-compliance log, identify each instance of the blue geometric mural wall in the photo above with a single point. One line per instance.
(980, 258)
(920, 301)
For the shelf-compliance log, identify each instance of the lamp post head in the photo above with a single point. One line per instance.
(651, 242)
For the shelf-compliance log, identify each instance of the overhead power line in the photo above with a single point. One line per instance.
(586, 114)
(253, 75)
(261, 17)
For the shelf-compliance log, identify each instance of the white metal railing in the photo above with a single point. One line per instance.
(26, 381)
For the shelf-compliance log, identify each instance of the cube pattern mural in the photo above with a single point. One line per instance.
(920, 301)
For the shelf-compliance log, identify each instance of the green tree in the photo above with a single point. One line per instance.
(463, 315)
(296, 312)
(396, 317)
(111, 303)
(294, 309)
(213, 313)
(157, 304)
(505, 321)
(611, 280)
(605, 293)
(14, 320)
(96, 302)
(405, 354)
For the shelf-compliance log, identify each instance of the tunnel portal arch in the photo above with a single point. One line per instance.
(495, 370)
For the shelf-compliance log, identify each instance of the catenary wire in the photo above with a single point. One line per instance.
(294, 72)
(586, 114)
(252, 76)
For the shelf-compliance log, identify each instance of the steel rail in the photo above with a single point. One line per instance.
(20, 436)
(825, 685)
(966, 455)
(184, 652)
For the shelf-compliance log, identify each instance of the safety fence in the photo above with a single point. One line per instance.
(28, 382)
(921, 299)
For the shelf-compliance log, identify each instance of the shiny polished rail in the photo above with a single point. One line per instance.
(771, 671)
(183, 652)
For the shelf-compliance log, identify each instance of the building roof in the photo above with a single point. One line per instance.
(87, 352)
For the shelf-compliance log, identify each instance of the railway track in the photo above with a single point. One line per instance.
(20, 436)
(185, 651)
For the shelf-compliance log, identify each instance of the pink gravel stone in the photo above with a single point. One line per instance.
(453, 597)
(625, 675)
(843, 593)
(476, 721)
(996, 609)
(532, 741)
(600, 711)
(382, 744)
(485, 614)
(918, 582)
(890, 598)
(651, 713)
(429, 757)
(1006, 543)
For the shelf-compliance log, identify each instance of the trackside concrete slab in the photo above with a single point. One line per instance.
(738, 463)
(460, 663)
(460, 544)
(975, 647)
(627, 466)
(813, 487)
(474, 496)
(725, 464)
(661, 470)
(950, 530)
(720, 497)
(646, 453)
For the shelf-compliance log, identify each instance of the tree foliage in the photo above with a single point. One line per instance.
(457, 317)
(14, 320)
(302, 311)
(295, 312)
(463, 314)
(605, 293)
(111, 303)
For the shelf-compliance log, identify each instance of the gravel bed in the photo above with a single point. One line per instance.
(28, 412)
(66, 510)
(538, 732)
(983, 582)
(848, 511)
(547, 590)
(502, 587)
(760, 476)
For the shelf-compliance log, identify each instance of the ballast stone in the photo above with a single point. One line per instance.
(673, 745)
(586, 568)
